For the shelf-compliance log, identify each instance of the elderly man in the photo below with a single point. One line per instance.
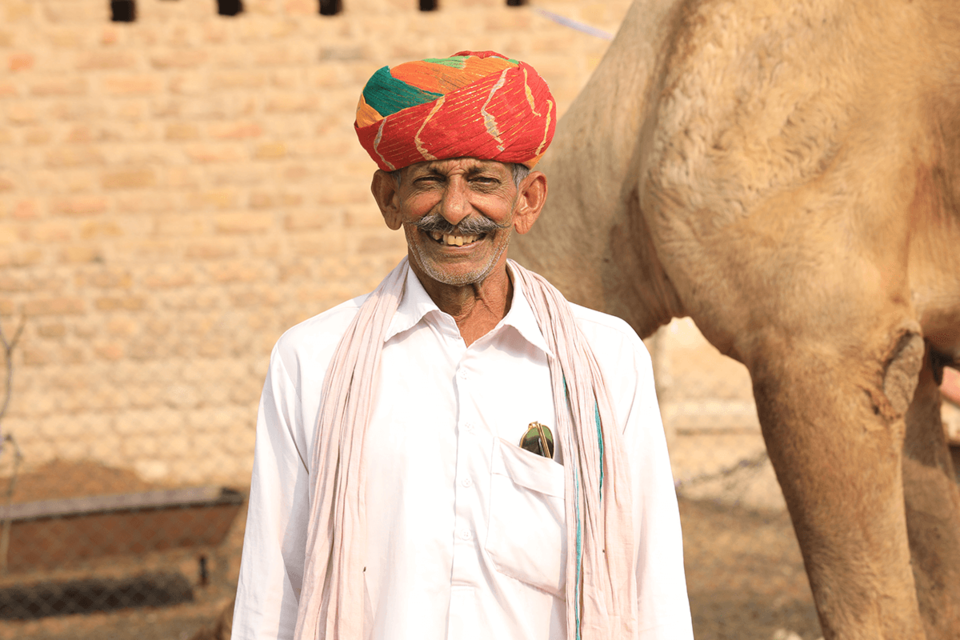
(462, 453)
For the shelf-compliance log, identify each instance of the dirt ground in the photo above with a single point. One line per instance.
(744, 572)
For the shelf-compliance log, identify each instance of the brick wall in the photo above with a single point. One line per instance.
(176, 192)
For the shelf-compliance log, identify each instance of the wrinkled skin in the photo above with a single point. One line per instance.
(786, 174)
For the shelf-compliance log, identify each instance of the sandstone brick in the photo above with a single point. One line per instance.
(243, 222)
(212, 249)
(10, 234)
(73, 156)
(105, 278)
(71, 12)
(37, 136)
(299, 7)
(121, 327)
(178, 58)
(127, 110)
(234, 271)
(20, 61)
(8, 88)
(297, 271)
(188, 83)
(52, 329)
(289, 78)
(79, 205)
(182, 131)
(180, 225)
(52, 231)
(305, 220)
(110, 351)
(144, 350)
(128, 179)
(256, 298)
(58, 86)
(237, 130)
(216, 152)
(106, 59)
(73, 109)
(83, 134)
(56, 306)
(288, 103)
(71, 355)
(145, 202)
(239, 79)
(23, 112)
(120, 303)
(100, 229)
(69, 37)
(132, 85)
(35, 356)
(79, 254)
(223, 198)
(167, 277)
(16, 11)
(362, 216)
(346, 192)
(261, 200)
(270, 151)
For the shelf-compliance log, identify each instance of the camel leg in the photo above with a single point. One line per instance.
(834, 428)
(932, 502)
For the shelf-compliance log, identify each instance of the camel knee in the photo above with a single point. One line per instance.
(901, 368)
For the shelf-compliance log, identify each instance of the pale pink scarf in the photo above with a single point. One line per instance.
(600, 588)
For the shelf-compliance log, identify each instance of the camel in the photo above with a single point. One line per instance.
(786, 174)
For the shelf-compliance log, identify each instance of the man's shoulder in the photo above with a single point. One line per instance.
(608, 329)
(321, 332)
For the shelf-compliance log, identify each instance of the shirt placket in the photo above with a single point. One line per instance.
(473, 444)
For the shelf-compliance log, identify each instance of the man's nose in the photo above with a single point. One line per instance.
(455, 205)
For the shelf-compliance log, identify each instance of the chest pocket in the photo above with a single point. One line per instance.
(526, 537)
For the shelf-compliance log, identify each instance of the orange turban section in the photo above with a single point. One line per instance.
(472, 104)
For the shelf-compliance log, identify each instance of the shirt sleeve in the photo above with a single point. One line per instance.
(271, 567)
(664, 608)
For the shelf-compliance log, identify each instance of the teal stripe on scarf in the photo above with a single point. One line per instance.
(388, 95)
(596, 409)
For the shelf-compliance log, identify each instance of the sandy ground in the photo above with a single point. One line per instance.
(744, 572)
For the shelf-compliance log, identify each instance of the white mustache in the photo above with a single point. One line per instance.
(472, 226)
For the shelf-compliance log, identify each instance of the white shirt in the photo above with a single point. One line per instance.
(466, 535)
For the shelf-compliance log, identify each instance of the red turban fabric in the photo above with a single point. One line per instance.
(472, 104)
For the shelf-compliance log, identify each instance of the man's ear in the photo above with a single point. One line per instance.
(533, 193)
(385, 191)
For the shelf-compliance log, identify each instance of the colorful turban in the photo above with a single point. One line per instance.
(472, 104)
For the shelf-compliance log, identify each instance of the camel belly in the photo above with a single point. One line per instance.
(935, 285)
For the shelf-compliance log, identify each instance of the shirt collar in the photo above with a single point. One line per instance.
(416, 303)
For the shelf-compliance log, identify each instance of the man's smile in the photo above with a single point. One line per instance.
(452, 240)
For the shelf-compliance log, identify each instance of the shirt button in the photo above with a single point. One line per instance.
(468, 427)
(466, 482)
(465, 534)
(463, 374)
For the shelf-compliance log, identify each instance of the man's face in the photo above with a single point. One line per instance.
(458, 216)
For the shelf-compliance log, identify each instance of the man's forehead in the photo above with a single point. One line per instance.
(457, 164)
